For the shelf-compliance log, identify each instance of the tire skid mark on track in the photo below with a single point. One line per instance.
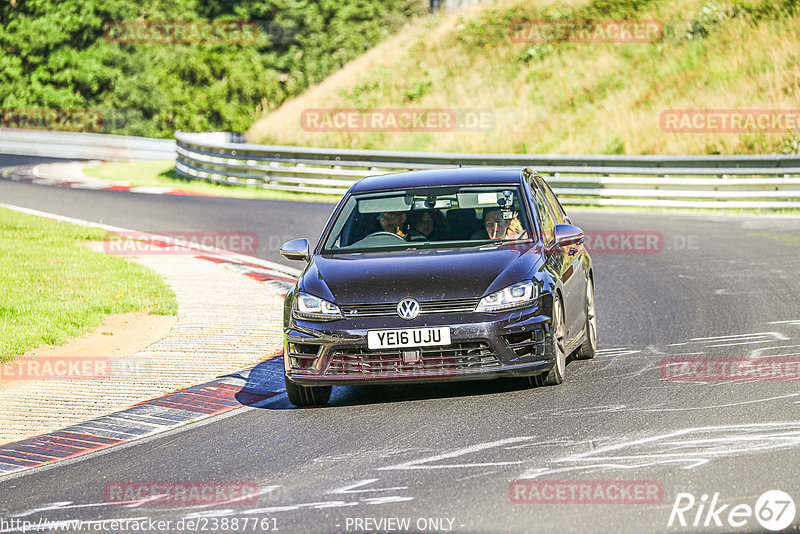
(358, 490)
(688, 447)
(777, 343)
(659, 408)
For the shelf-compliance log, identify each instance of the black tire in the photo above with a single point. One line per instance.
(556, 374)
(307, 395)
(589, 345)
(536, 380)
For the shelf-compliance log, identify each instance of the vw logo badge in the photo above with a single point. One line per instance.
(408, 308)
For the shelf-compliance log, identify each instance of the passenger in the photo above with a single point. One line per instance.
(424, 225)
(497, 228)
(393, 222)
(422, 222)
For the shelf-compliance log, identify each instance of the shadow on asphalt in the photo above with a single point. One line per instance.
(359, 395)
(266, 378)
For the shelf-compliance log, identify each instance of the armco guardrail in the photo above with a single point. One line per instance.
(77, 145)
(770, 181)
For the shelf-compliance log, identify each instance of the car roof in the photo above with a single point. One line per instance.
(439, 177)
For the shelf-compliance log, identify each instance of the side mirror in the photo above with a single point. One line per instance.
(566, 234)
(296, 249)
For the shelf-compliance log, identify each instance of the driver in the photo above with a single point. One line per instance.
(497, 227)
(393, 222)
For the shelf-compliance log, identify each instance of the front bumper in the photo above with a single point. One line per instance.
(483, 346)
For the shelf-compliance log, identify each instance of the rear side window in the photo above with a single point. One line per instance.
(545, 217)
(558, 211)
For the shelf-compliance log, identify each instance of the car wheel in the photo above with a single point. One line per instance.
(307, 395)
(556, 374)
(589, 345)
(536, 380)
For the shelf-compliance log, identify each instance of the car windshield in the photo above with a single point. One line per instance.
(441, 217)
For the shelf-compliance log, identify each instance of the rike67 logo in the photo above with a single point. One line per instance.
(774, 510)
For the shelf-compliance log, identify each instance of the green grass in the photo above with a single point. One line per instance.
(53, 287)
(572, 97)
(162, 174)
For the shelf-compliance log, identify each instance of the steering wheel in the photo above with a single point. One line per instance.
(383, 232)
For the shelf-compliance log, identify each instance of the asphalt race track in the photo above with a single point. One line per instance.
(443, 457)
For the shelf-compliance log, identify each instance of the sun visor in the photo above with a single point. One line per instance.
(386, 204)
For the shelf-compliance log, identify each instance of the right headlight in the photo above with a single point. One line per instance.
(314, 308)
(513, 296)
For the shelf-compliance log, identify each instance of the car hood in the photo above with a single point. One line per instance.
(421, 274)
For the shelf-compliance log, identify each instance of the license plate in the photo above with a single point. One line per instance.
(408, 337)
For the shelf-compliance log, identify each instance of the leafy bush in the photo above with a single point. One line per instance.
(56, 55)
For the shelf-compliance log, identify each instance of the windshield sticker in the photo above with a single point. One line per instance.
(487, 198)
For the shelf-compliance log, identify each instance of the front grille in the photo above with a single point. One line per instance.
(425, 361)
(425, 307)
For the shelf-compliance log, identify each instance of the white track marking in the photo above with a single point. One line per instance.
(209, 513)
(776, 335)
(418, 464)
(387, 500)
(741, 343)
(294, 507)
(760, 353)
(61, 505)
(351, 488)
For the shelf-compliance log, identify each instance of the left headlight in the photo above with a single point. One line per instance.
(310, 307)
(513, 296)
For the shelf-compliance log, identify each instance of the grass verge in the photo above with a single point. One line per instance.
(162, 174)
(53, 287)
